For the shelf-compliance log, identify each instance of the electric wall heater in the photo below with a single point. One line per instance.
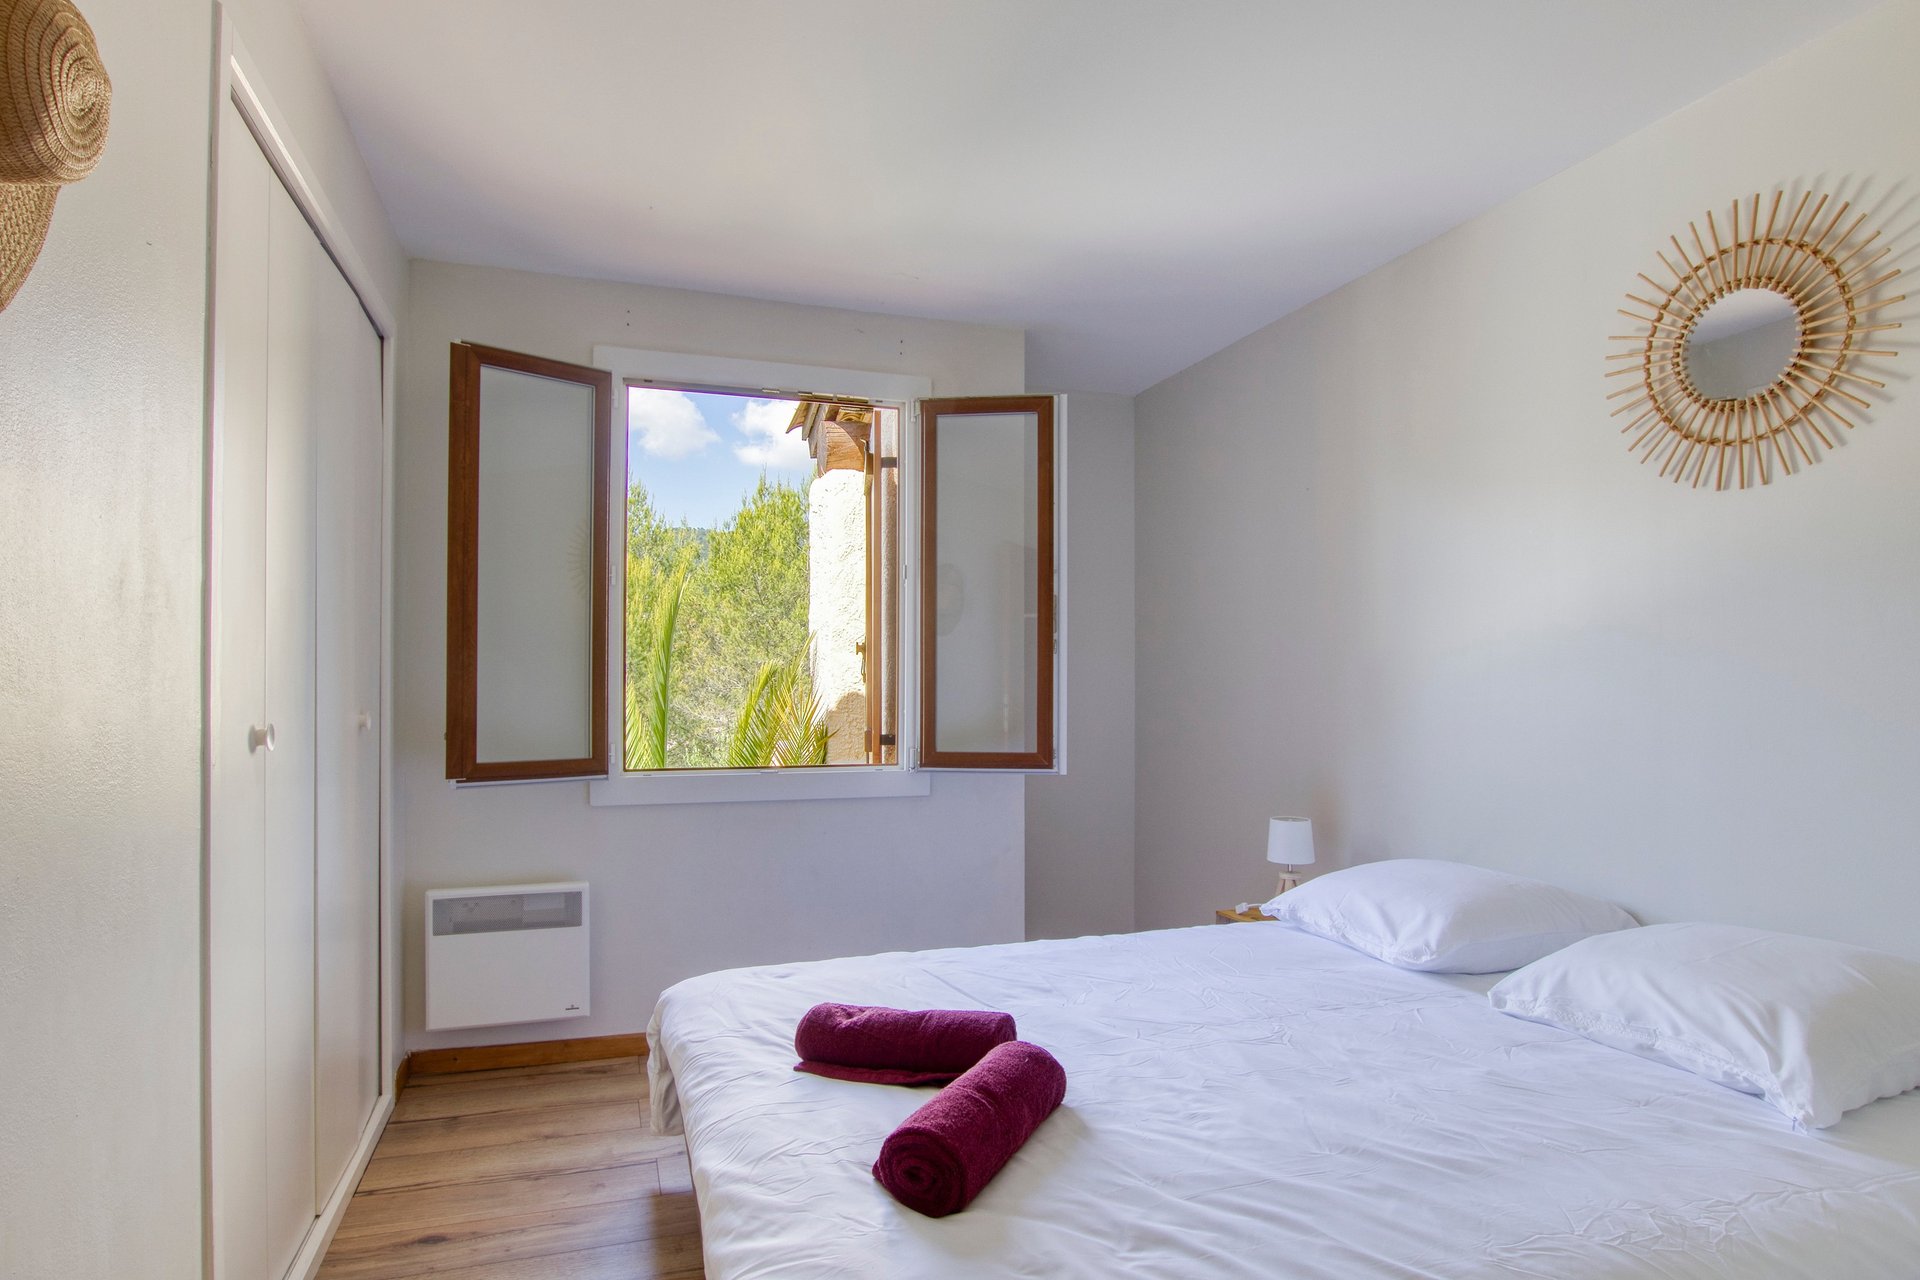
(513, 953)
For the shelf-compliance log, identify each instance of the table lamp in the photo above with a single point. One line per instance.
(1290, 844)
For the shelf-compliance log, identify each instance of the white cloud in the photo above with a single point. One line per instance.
(669, 423)
(769, 444)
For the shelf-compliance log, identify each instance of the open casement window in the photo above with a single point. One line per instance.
(763, 559)
(987, 585)
(761, 581)
(527, 567)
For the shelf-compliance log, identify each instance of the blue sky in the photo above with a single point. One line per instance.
(699, 454)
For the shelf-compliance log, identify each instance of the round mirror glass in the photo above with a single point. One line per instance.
(1742, 344)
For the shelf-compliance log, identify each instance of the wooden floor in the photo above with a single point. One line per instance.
(545, 1172)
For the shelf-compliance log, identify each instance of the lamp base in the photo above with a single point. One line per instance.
(1289, 879)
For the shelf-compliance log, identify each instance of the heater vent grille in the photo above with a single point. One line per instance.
(507, 912)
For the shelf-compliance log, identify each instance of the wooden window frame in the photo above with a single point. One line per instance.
(882, 654)
(466, 360)
(1044, 757)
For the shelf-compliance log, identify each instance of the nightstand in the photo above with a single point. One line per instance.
(1251, 915)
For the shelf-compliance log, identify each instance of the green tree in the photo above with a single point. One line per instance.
(740, 602)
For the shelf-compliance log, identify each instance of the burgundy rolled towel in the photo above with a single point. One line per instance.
(945, 1153)
(877, 1045)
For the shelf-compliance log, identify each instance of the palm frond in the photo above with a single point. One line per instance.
(803, 729)
(758, 726)
(650, 699)
(633, 726)
(780, 722)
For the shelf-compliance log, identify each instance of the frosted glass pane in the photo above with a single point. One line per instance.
(986, 630)
(535, 567)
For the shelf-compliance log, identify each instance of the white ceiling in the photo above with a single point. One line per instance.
(1137, 183)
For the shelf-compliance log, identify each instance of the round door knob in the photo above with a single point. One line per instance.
(260, 736)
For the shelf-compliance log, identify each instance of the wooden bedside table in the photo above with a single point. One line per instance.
(1251, 915)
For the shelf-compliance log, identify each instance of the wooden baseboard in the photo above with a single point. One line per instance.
(540, 1053)
(401, 1072)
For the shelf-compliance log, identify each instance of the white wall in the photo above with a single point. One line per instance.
(678, 890)
(837, 607)
(1399, 572)
(100, 434)
(1080, 825)
(276, 39)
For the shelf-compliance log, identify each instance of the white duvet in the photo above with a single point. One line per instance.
(1251, 1101)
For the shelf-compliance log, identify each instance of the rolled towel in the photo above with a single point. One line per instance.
(945, 1153)
(876, 1045)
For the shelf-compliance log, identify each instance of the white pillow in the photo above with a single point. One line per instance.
(1816, 1028)
(1444, 917)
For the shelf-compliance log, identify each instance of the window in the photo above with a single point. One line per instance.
(760, 588)
(806, 582)
(988, 614)
(527, 536)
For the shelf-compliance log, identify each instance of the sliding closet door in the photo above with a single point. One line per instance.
(237, 710)
(296, 267)
(347, 868)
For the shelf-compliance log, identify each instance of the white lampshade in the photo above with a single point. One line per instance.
(1290, 841)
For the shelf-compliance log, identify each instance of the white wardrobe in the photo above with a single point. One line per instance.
(293, 734)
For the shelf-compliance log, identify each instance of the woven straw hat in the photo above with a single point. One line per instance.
(53, 123)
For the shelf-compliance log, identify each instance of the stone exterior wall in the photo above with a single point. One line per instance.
(837, 607)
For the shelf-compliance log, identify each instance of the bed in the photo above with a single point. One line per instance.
(1252, 1101)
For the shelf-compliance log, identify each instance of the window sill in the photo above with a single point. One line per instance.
(747, 786)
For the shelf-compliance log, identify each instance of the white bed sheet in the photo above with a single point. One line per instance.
(1248, 1101)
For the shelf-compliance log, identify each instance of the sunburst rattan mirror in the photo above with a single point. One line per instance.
(1747, 353)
